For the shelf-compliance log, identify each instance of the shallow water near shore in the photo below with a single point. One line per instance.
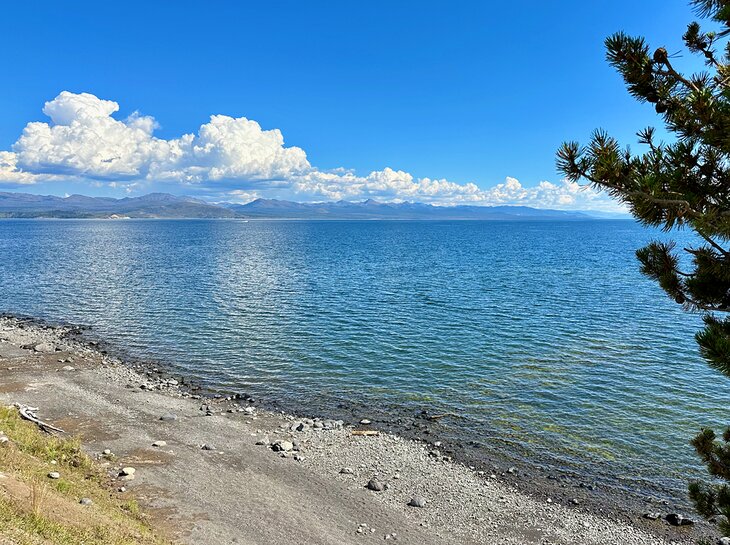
(542, 338)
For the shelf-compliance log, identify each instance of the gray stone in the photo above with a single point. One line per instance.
(169, 417)
(417, 501)
(652, 516)
(85, 501)
(346, 471)
(54, 475)
(44, 348)
(159, 444)
(723, 541)
(206, 446)
(377, 486)
(127, 471)
(282, 446)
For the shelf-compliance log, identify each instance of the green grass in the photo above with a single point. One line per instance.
(37, 510)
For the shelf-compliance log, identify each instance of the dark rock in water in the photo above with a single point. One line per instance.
(417, 501)
(678, 520)
(377, 486)
(652, 516)
(169, 417)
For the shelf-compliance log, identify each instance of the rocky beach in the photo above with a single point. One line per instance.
(214, 468)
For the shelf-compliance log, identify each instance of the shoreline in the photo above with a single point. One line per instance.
(512, 488)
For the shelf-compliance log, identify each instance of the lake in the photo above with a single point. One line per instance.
(542, 338)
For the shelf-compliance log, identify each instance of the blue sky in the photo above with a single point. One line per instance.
(474, 97)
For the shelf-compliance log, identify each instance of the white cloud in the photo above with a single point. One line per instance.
(233, 157)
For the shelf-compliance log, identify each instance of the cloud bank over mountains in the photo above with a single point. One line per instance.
(230, 159)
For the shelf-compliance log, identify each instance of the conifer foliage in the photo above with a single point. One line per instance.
(681, 184)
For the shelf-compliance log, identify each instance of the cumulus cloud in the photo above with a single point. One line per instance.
(231, 157)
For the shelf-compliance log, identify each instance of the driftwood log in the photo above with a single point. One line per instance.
(28, 413)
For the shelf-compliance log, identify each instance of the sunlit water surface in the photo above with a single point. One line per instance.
(542, 336)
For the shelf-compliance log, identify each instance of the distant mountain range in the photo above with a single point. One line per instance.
(154, 205)
(162, 205)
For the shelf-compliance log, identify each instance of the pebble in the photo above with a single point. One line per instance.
(723, 541)
(67, 368)
(346, 471)
(365, 422)
(206, 446)
(652, 516)
(417, 501)
(54, 475)
(106, 452)
(159, 444)
(127, 471)
(575, 501)
(85, 501)
(169, 417)
(377, 486)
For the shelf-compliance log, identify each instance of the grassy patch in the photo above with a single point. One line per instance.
(35, 509)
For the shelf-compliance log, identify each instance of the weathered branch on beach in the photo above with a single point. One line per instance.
(28, 413)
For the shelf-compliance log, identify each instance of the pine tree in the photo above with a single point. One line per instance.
(681, 184)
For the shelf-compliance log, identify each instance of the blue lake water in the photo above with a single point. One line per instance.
(543, 337)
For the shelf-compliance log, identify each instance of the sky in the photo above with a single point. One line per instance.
(446, 102)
